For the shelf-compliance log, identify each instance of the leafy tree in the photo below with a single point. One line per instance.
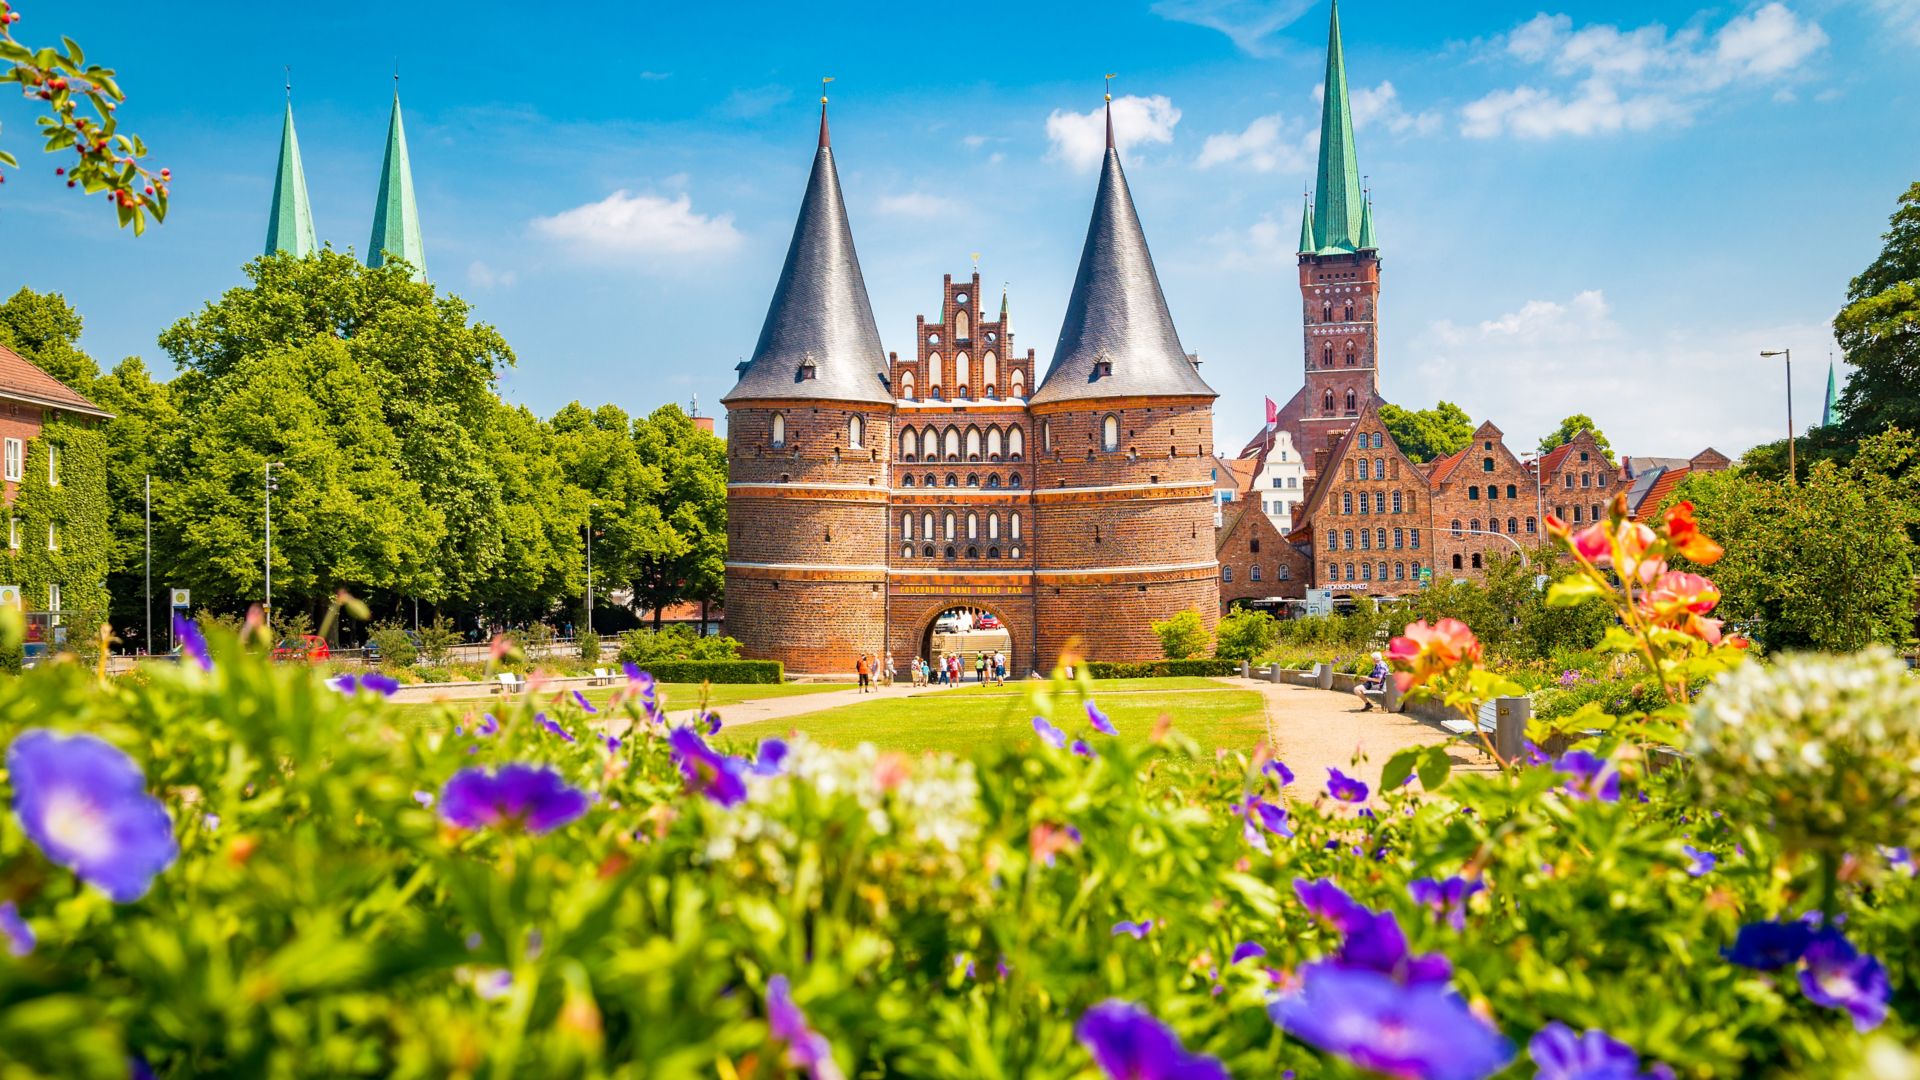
(45, 330)
(692, 465)
(1571, 427)
(1183, 635)
(144, 422)
(1879, 331)
(1426, 434)
(1245, 635)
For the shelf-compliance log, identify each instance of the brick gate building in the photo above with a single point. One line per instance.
(868, 494)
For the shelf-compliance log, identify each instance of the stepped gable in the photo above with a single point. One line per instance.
(1118, 338)
(820, 340)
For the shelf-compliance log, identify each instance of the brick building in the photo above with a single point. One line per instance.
(52, 461)
(868, 494)
(1368, 522)
(1256, 561)
(1484, 503)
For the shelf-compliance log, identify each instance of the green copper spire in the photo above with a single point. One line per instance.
(396, 220)
(1826, 414)
(290, 222)
(1337, 204)
(1366, 226)
(1307, 246)
(1003, 309)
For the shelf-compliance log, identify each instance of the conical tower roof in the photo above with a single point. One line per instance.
(1307, 245)
(1337, 202)
(290, 222)
(396, 219)
(820, 340)
(1117, 314)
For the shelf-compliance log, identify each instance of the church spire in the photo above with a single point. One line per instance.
(290, 221)
(1338, 203)
(820, 340)
(1826, 413)
(1367, 242)
(1307, 245)
(1117, 339)
(396, 219)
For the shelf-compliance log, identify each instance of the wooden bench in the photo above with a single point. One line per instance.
(1485, 719)
(510, 683)
(602, 676)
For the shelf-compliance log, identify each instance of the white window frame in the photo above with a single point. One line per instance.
(53, 536)
(13, 534)
(16, 455)
(53, 465)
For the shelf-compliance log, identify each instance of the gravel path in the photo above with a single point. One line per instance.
(1314, 730)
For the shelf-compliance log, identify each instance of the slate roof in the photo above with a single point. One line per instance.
(1117, 312)
(21, 380)
(396, 216)
(290, 219)
(820, 308)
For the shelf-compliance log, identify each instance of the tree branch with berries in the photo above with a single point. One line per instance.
(106, 160)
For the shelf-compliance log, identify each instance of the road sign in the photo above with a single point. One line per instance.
(1319, 601)
(182, 598)
(9, 596)
(1426, 573)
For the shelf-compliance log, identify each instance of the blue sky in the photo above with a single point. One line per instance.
(1606, 208)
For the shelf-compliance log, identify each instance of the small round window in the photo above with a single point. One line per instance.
(933, 339)
(960, 299)
(991, 336)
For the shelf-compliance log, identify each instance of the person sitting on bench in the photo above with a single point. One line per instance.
(1374, 683)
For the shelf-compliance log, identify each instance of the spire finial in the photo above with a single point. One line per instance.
(825, 142)
(976, 262)
(396, 76)
(289, 82)
(1110, 77)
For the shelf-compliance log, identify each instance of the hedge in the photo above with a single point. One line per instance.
(717, 671)
(1162, 668)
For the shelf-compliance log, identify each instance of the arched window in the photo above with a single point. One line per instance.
(1532, 526)
(952, 480)
(1326, 356)
(1366, 571)
(993, 480)
(990, 372)
(1366, 540)
(1253, 572)
(909, 444)
(906, 480)
(950, 552)
(1365, 470)
(927, 551)
(1380, 539)
(1046, 435)
(949, 525)
(1399, 539)
(906, 526)
(906, 551)
(931, 480)
(962, 327)
(1110, 433)
(993, 444)
(1326, 311)
(1474, 525)
(906, 385)
(856, 431)
(779, 429)
(1476, 560)
(973, 479)
(1399, 571)
(962, 370)
(1352, 402)
(1350, 576)
(1379, 464)
(1382, 574)
(1016, 444)
(1396, 502)
(926, 529)
(1226, 574)
(1596, 512)
(993, 552)
(1352, 357)
(1513, 526)
(1576, 515)
(1456, 561)
(1019, 383)
(973, 444)
(1473, 492)
(1013, 525)
(993, 526)
(1348, 311)
(935, 378)
(1493, 491)
(973, 526)
(1456, 528)
(1326, 403)
(1511, 491)
(1349, 539)
(1014, 480)
(953, 444)
(1333, 540)
(1346, 502)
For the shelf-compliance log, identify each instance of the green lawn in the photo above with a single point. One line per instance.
(961, 720)
(673, 695)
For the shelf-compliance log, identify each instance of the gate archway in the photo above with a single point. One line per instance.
(915, 619)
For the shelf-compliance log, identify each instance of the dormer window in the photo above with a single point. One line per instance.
(807, 370)
(1102, 366)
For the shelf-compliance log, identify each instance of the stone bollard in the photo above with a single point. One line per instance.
(1246, 669)
(1323, 676)
(1273, 672)
(1390, 694)
(1510, 725)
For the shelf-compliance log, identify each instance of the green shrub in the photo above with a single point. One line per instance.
(395, 645)
(588, 643)
(437, 640)
(645, 646)
(1245, 634)
(1183, 635)
(716, 671)
(1159, 669)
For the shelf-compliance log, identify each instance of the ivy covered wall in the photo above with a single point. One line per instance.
(77, 507)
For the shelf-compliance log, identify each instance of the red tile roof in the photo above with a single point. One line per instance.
(1241, 472)
(20, 379)
(1551, 463)
(1442, 468)
(1662, 487)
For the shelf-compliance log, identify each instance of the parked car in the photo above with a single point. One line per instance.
(949, 624)
(987, 622)
(372, 650)
(308, 648)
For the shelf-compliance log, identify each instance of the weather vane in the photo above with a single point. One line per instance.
(289, 82)
(976, 262)
(1110, 77)
(824, 80)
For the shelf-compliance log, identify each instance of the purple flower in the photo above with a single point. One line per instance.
(551, 725)
(583, 702)
(1767, 946)
(193, 644)
(1246, 950)
(1139, 930)
(13, 928)
(518, 796)
(1258, 814)
(424, 798)
(1049, 734)
(1589, 776)
(344, 683)
(1099, 720)
(771, 756)
(1701, 863)
(1559, 1054)
(643, 684)
(1325, 901)
(1128, 1043)
(1081, 749)
(708, 772)
(1279, 771)
(1375, 942)
(1345, 788)
(1447, 898)
(613, 743)
(380, 683)
(85, 804)
(1421, 1030)
(807, 1049)
(1537, 756)
(1837, 976)
(712, 720)
(488, 726)
(1569, 677)
(1899, 858)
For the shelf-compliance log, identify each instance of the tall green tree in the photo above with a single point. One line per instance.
(692, 465)
(144, 423)
(1571, 427)
(1879, 331)
(45, 330)
(1425, 434)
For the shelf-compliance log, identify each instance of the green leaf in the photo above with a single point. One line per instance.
(1400, 766)
(1570, 591)
(8, 159)
(1435, 766)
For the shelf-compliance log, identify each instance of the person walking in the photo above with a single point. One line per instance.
(864, 671)
(999, 668)
(980, 668)
(1376, 680)
(887, 672)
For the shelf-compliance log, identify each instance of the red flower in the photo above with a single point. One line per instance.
(1677, 593)
(1594, 545)
(1427, 651)
(1688, 540)
(1556, 527)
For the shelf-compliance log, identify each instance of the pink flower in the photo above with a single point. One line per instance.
(1677, 592)
(1594, 545)
(1631, 545)
(1429, 650)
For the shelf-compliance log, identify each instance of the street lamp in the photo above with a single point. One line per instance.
(267, 611)
(1793, 472)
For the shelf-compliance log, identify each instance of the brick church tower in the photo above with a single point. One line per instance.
(1339, 276)
(1123, 476)
(807, 425)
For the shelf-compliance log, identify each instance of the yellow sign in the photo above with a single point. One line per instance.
(960, 590)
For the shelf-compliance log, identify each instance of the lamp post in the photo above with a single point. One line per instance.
(267, 610)
(1793, 471)
(147, 641)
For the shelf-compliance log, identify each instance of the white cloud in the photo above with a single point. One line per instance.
(1614, 80)
(974, 142)
(1251, 24)
(1265, 243)
(1381, 106)
(917, 204)
(482, 276)
(1080, 139)
(1901, 16)
(1269, 144)
(628, 224)
(1497, 368)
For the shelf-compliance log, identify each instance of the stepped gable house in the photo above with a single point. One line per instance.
(867, 494)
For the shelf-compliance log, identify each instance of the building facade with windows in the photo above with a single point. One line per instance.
(868, 494)
(53, 467)
(1484, 504)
